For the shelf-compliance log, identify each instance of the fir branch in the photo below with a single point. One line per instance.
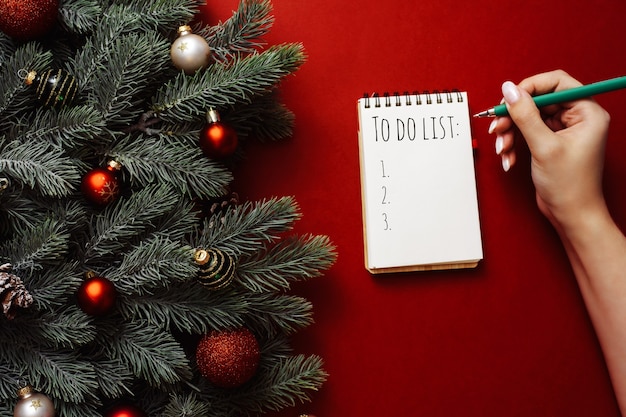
(241, 33)
(113, 378)
(159, 15)
(41, 166)
(150, 353)
(186, 406)
(192, 309)
(32, 248)
(293, 259)
(187, 98)
(70, 128)
(52, 286)
(59, 373)
(80, 16)
(287, 381)
(64, 329)
(164, 161)
(130, 61)
(157, 262)
(248, 227)
(14, 95)
(127, 218)
(8, 383)
(276, 314)
(68, 409)
(265, 118)
(179, 222)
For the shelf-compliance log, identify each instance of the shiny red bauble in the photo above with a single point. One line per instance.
(228, 358)
(27, 19)
(101, 186)
(125, 411)
(217, 139)
(96, 296)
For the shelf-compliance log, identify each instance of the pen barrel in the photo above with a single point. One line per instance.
(571, 94)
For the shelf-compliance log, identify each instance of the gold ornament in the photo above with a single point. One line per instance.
(217, 268)
(33, 404)
(189, 52)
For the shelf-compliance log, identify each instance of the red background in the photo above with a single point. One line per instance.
(510, 338)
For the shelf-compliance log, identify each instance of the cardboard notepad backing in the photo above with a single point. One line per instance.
(418, 185)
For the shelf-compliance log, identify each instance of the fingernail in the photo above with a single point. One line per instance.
(493, 125)
(499, 144)
(506, 163)
(510, 92)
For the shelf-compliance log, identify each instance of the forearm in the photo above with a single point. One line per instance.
(597, 251)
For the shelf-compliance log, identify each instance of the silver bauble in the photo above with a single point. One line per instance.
(190, 52)
(33, 404)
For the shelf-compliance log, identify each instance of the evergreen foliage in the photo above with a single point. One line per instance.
(134, 107)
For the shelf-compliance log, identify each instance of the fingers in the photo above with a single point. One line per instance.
(548, 82)
(505, 140)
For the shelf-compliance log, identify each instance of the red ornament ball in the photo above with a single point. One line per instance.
(27, 19)
(125, 411)
(228, 358)
(96, 296)
(101, 185)
(217, 139)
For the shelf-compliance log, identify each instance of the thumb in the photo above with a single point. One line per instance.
(524, 113)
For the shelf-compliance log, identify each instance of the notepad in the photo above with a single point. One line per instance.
(418, 184)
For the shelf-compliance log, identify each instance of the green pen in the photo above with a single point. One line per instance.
(563, 96)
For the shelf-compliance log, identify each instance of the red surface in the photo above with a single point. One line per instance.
(511, 338)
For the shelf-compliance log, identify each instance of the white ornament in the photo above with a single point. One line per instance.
(33, 404)
(189, 52)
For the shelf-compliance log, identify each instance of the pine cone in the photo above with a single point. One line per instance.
(217, 207)
(13, 293)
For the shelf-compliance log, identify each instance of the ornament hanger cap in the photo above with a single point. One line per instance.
(25, 391)
(212, 116)
(114, 166)
(30, 77)
(201, 256)
(184, 29)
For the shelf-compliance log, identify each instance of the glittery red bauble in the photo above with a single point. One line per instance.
(100, 186)
(218, 140)
(125, 411)
(27, 19)
(228, 358)
(96, 296)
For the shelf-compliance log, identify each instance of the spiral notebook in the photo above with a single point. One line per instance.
(418, 185)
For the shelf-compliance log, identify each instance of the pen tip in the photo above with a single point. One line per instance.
(482, 114)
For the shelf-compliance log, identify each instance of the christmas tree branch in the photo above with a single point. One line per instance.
(154, 263)
(221, 86)
(193, 309)
(186, 406)
(32, 248)
(151, 354)
(184, 167)
(250, 226)
(54, 284)
(14, 96)
(68, 129)
(39, 165)
(293, 259)
(277, 314)
(265, 118)
(240, 34)
(114, 379)
(127, 218)
(288, 380)
(130, 61)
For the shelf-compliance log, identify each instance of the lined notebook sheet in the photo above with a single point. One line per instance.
(418, 186)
